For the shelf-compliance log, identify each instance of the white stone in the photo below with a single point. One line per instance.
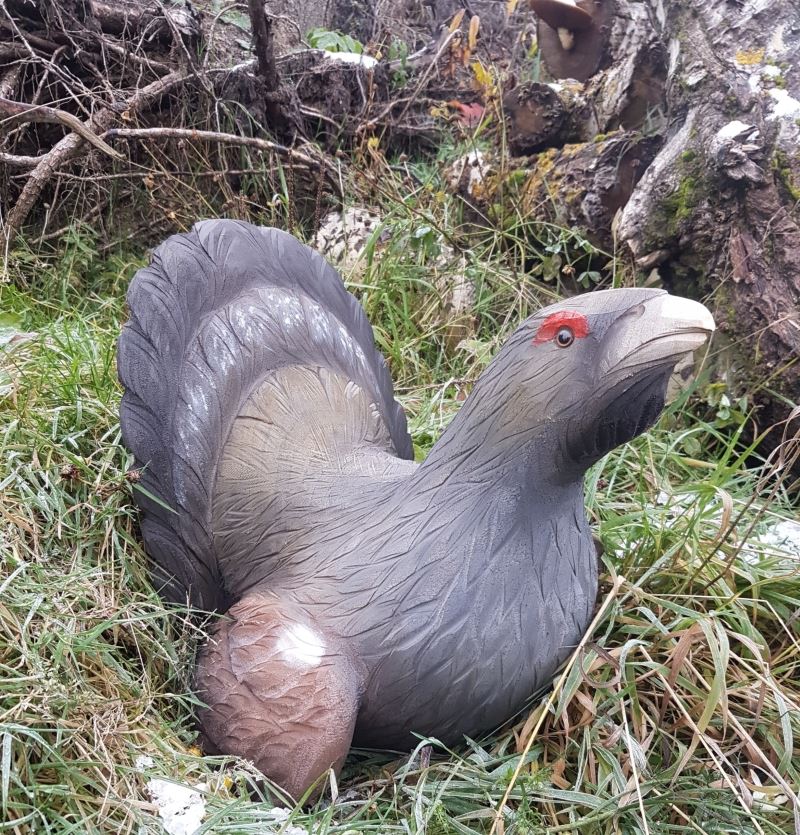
(733, 130)
(352, 58)
(784, 536)
(786, 106)
(343, 236)
(777, 45)
(478, 167)
(694, 78)
(181, 808)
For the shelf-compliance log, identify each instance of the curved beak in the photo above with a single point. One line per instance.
(657, 333)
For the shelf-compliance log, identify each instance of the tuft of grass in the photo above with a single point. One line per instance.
(682, 714)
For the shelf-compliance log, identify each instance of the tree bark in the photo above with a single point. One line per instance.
(717, 211)
(715, 87)
(580, 186)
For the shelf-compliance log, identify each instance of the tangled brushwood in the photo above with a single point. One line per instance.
(156, 114)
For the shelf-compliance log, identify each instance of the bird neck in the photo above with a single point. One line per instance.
(509, 517)
(494, 441)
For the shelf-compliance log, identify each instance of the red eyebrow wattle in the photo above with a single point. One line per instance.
(564, 318)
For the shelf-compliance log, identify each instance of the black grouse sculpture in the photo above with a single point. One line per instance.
(367, 597)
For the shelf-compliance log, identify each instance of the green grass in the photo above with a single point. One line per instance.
(688, 691)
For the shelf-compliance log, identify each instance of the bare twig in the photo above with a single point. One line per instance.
(71, 146)
(40, 113)
(215, 136)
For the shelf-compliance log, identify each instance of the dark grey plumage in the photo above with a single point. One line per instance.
(369, 597)
(185, 378)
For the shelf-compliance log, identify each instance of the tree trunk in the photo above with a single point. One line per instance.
(717, 210)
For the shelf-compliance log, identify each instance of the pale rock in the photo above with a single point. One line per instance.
(469, 171)
(343, 237)
(786, 106)
(180, 807)
(352, 58)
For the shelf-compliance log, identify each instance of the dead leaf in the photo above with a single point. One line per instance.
(455, 23)
(472, 37)
(470, 115)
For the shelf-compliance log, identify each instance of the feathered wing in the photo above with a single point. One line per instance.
(242, 344)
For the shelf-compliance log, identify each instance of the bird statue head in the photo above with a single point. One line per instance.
(583, 376)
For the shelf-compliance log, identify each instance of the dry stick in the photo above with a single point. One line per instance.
(23, 112)
(214, 136)
(20, 160)
(71, 146)
(705, 743)
(149, 172)
(618, 582)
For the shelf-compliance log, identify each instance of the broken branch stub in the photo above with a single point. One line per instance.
(546, 116)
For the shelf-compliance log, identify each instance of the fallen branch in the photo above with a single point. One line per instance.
(19, 111)
(154, 22)
(215, 136)
(28, 40)
(71, 146)
(20, 160)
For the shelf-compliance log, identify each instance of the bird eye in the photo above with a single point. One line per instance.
(565, 337)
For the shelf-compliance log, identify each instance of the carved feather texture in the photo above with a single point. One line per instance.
(215, 311)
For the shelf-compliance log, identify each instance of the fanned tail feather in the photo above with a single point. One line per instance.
(213, 313)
